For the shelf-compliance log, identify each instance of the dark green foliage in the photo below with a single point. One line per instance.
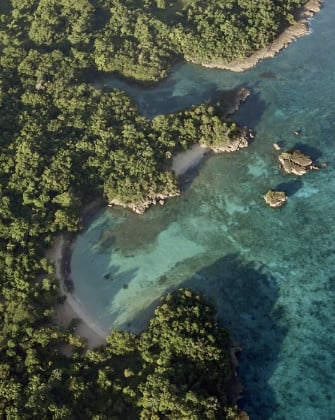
(133, 43)
(142, 42)
(186, 357)
(204, 124)
(179, 368)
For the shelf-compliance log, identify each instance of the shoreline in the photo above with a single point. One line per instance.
(72, 308)
(287, 37)
(190, 158)
(293, 32)
(60, 252)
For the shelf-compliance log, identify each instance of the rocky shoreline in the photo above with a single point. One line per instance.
(239, 143)
(141, 206)
(293, 32)
(291, 162)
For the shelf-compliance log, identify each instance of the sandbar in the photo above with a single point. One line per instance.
(188, 159)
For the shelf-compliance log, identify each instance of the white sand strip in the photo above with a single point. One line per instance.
(184, 161)
(72, 308)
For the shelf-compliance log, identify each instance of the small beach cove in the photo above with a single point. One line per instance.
(72, 308)
(61, 252)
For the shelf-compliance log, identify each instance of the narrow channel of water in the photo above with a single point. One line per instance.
(270, 272)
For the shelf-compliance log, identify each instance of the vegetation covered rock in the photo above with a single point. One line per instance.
(275, 199)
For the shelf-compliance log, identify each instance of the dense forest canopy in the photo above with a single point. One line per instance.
(65, 143)
(142, 39)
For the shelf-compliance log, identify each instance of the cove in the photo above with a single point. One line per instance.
(269, 272)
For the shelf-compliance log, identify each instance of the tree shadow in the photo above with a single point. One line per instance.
(5, 7)
(269, 75)
(163, 97)
(172, 94)
(246, 298)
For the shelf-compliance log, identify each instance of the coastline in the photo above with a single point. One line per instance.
(72, 308)
(192, 157)
(289, 35)
(182, 162)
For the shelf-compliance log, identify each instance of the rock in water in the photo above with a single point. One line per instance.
(295, 162)
(275, 199)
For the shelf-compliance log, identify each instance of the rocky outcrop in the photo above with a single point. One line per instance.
(231, 101)
(275, 199)
(141, 206)
(236, 144)
(296, 163)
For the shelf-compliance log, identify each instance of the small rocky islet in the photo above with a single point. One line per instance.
(275, 199)
(295, 162)
(292, 162)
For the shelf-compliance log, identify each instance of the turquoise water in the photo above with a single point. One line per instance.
(270, 272)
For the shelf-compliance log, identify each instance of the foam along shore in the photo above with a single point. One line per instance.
(184, 161)
(293, 32)
(72, 308)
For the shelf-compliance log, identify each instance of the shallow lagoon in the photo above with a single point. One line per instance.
(270, 272)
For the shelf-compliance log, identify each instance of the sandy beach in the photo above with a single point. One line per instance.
(184, 161)
(72, 308)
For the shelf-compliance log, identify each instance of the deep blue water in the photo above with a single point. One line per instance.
(270, 272)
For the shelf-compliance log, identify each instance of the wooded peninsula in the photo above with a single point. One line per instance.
(65, 143)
